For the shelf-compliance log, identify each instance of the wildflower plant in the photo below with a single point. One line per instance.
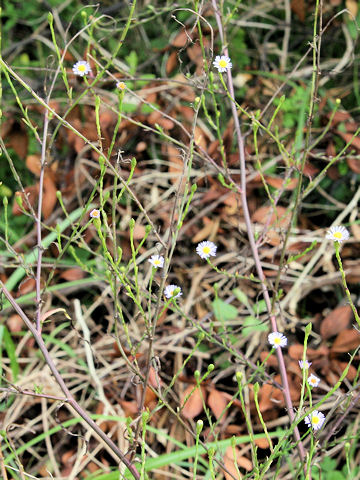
(81, 68)
(304, 364)
(313, 380)
(277, 339)
(338, 234)
(95, 213)
(157, 261)
(140, 209)
(172, 291)
(206, 249)
(315, 420)
(222, 63)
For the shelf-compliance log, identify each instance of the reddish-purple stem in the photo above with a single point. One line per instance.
(38, 221)
(36, 330)
(69, 398)
(253, 246)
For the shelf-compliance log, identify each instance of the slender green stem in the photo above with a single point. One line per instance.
(343, 277)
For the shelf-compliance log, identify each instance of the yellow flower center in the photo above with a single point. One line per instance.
(96, 213)
(82, 68)
(206, 250)
(121, 85)
(157, 262)
(223, 63)
(277, 340)
(315, 420)
(338, 235)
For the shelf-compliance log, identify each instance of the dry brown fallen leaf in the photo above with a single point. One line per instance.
(150, 397)
(27, 286)
(15, 323)
(271, 361)
(339, 367)
(349, 137)
(200, 137)
(217, 403)
(171, 62)
(208, 231)
(194, 404)
(299, 8)
(141, 147)
(353, 7)
(195, 54)
(296, 352)
(336, 321)
(346, 340)
(19, 141)
(130, 408)
(240, 460)
(49, 196)
(182, 38)
(264, 395)
(33, 163)
(262, 443)
(353, 266)
(176, 164)
(157, 118)
(186, 112)
(154, 378)
(310, 170)
(354, 164)
(72, 274)
(279, 218)
(138, 232)
(31, 197)
(339, 117)
(279, 183)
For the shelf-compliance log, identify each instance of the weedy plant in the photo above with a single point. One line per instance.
(165, 243)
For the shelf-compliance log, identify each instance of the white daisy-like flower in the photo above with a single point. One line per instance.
(304, 365)
(337, 234)
(120, 85)
(222, 63)
(315, 420)
(156, 261)
(277, 339)
(206, 249)
(313, 380)
(169, 291)
(81, 68)
(95, 213)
